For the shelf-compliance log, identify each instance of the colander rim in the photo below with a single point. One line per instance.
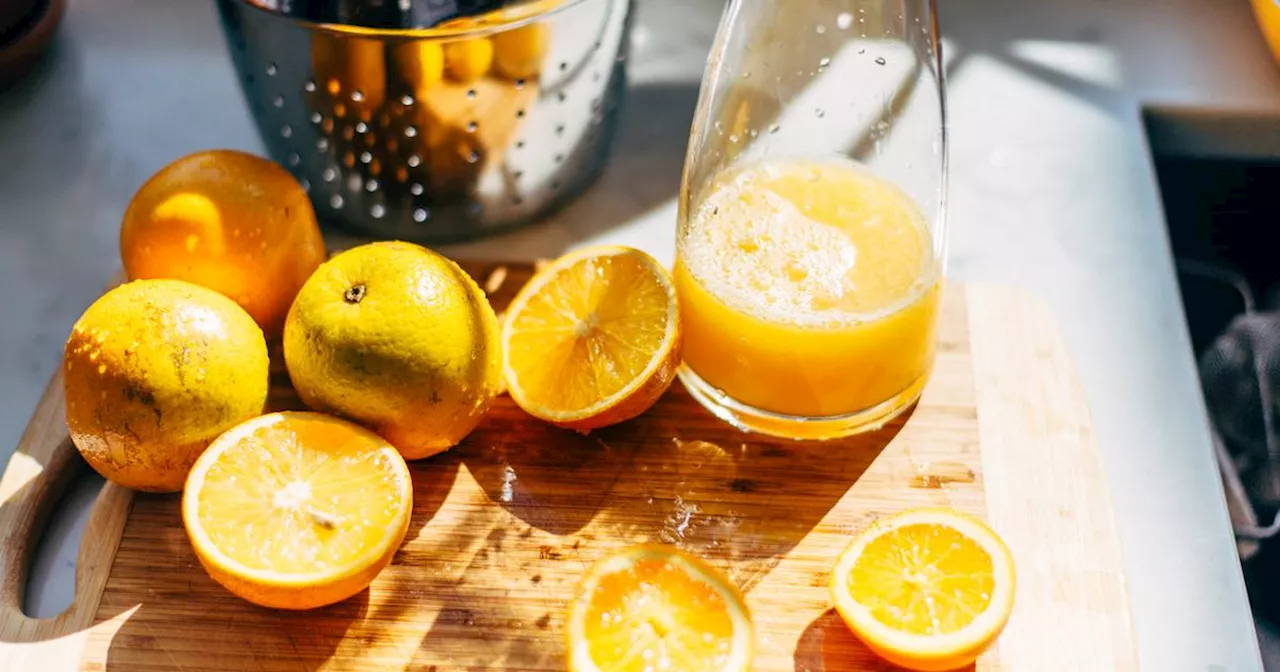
(433, 33)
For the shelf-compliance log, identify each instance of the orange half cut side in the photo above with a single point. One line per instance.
(593, 339)
(297, 510)
(654, 607)
(928, 589)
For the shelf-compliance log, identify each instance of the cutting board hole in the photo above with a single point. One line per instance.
(51, 582)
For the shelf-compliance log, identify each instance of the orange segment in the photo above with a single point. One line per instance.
(928, 589)
(593, 339)
(655, 608)
(297, 510)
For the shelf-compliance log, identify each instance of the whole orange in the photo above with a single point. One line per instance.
(399, 339)
(229, 221)
(153, 371)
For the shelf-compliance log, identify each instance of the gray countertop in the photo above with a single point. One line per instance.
(1052, 189)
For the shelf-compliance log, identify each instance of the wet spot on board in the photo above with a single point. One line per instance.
(937, 474)
(457, 616)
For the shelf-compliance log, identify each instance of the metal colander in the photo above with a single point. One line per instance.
(433, 120)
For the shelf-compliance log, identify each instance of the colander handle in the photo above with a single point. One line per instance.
(42, 468)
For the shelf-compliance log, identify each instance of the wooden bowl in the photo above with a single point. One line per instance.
(26, 27)
(14, 13)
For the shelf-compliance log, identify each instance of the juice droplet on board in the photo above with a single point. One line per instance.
(935, 475)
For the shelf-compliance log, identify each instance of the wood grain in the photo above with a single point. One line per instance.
(505, 524)
(40, 471)
(1045, 491)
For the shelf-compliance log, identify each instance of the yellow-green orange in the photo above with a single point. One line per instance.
(399, 339)
(153, 372)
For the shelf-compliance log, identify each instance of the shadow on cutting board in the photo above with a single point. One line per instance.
(222, 632)
(677, 476)
(828, 644)
(549, 478)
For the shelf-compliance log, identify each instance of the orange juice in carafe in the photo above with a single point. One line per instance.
(809, 289)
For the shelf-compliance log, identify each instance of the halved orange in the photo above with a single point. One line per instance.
(297, 510)
(928, 589)
(592, 339)
(652, 607)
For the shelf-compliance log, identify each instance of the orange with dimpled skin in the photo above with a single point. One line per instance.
(229, 221)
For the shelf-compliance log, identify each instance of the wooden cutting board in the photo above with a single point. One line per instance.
(505, 524)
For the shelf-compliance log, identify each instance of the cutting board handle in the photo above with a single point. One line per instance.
(42, 468)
